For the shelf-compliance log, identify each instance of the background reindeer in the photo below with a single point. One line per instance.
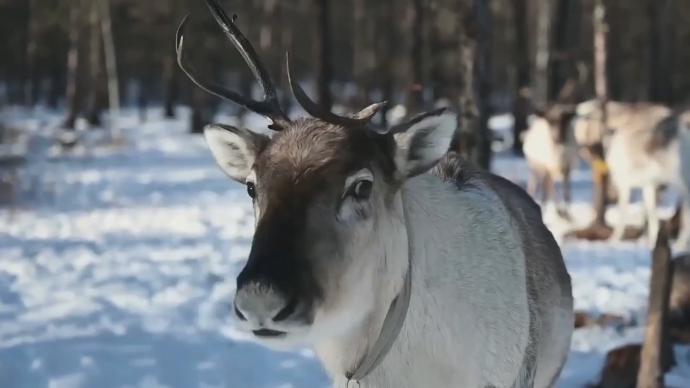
(551, 152)
(645, 149)
(549, 145)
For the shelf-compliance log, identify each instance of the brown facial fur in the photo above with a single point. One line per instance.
(310, 153)
(301, 170)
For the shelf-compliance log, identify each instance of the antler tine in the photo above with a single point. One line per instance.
(318, 112)
(208, 86)
(402, 127)
(241, 43)
(269, 106)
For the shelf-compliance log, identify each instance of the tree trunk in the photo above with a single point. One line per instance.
(600, 169)
(267, 33)
(57, 86)
(111, 68)
(415, 93)
(543, 55)
(3, 93)
(32, 85)
(468, 117)
(286, 37)
(363, 61)
(482, 74)
(661, 43)
(521, 98)
(171, 81)
(364, 58)
(200, 111)
(73, 96)
(473, 139)
(435, 47)
(246, 85)
(564, 46)
(197, 121)
(325, 67)
(253, 33)
(143, 97)
(385, 48)
(96, 77)
(656, 348)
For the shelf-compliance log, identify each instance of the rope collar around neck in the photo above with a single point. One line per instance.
(389, 333)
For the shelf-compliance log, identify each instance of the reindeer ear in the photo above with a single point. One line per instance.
(235, 149)
(419, 148)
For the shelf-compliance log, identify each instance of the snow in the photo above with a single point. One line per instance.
(117, 269)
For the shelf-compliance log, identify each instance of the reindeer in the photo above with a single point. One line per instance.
(402, 266)
(551, 152)
(549, 144)
(646, 148)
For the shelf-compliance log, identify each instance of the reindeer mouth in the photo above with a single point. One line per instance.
(268, 333)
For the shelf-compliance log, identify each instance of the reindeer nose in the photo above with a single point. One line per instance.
(259, 303)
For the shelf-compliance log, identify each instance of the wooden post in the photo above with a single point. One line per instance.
(655, 351)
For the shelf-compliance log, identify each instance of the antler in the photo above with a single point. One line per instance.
(402, 127)
(269, 106)
(360, 119)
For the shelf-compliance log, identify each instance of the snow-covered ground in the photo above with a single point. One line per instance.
(117, 270)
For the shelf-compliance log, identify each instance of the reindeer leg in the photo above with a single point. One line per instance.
(649, 197)
(565, 191)
(547, 188)
(623, 204)
(532, 183)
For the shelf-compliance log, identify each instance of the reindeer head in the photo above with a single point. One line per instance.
(558, 118)
(326, 195)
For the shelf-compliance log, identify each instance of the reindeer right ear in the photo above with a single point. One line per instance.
(235, 149)
(423, 144)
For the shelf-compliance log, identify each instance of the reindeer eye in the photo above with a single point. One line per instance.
(362, 190)
(251, 190)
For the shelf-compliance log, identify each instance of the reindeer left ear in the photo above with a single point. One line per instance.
(419, 148)
(235, 149)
